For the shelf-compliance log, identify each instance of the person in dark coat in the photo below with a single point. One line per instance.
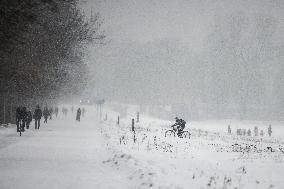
(180, 124)
(18, 118)
(45, 114)
(78, 114)
(37, 116)
(29, 119)
(24, 115)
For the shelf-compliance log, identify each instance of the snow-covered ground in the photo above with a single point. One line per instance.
(92, 154)
(62, 154)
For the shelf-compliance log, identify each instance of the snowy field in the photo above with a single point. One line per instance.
(93, 154)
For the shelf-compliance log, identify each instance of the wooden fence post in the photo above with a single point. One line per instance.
(133, 130)
(132, 127)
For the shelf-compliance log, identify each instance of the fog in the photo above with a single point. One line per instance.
(211, 59)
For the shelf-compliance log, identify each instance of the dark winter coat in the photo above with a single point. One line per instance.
(181, 123)
(37, 114)
(24, 114)
(29, 116)
(18, 113)
(78, 114)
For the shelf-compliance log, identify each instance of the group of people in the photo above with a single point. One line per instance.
(78, 113)
(24, 117)
(47, 113)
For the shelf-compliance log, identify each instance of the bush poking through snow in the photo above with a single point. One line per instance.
(229, 129)
(255, 131)
(269, 130)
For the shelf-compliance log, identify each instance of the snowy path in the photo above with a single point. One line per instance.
(59, 155)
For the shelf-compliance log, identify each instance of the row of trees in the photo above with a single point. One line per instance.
(43, 43)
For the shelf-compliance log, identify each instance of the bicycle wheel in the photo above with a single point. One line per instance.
(185, 134)
(169, 133)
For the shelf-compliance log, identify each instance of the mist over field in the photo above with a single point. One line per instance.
(139, 94)
(207, 59)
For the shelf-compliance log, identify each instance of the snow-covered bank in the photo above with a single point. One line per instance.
(210, 159)
(91, 154)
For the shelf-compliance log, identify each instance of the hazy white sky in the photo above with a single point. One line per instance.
(160, 45)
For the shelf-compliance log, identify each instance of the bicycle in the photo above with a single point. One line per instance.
(174, 132)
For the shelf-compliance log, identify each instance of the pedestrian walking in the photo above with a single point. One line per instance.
(78, 116)
(24, 115)
(29, 119)
(45, 114)
(50, 113)
(37, 116)
(64, 111)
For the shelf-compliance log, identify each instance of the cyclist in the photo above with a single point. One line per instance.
(179, 125)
